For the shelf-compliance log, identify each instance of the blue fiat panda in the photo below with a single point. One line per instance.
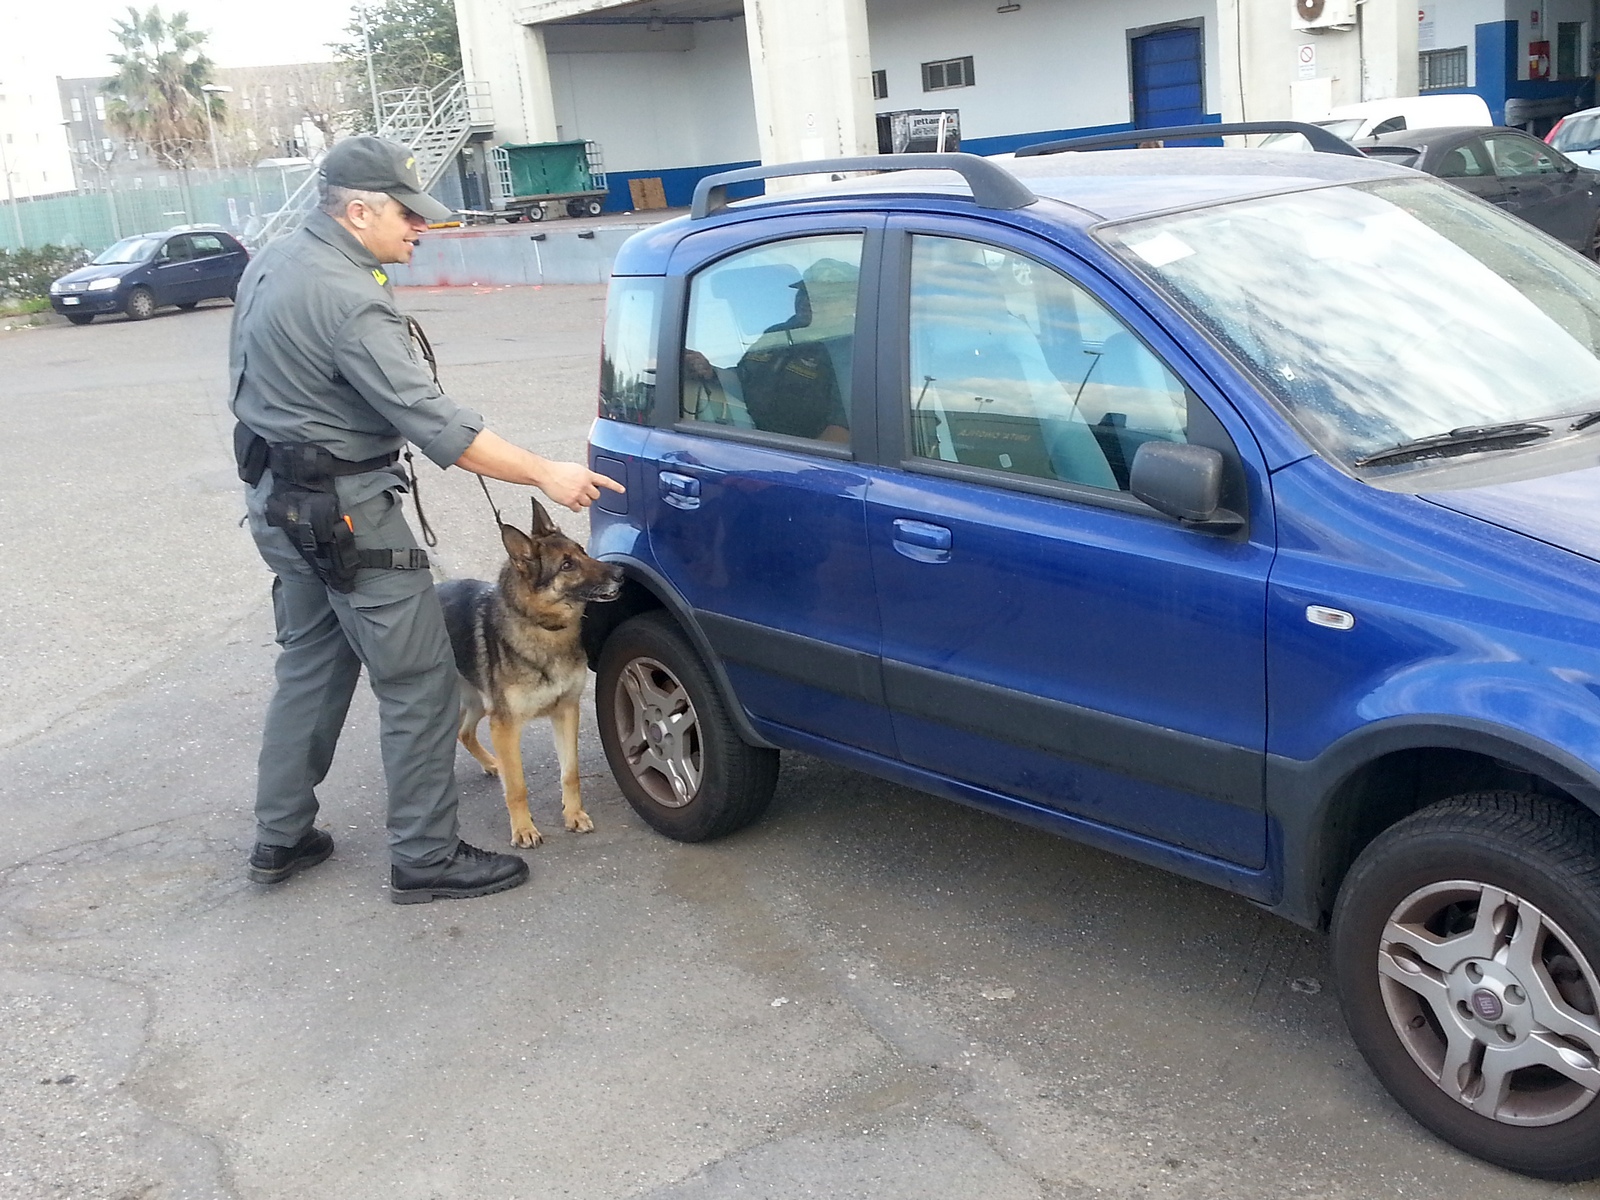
(1233, 510)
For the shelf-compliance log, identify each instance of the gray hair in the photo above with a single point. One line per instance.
(333, 199)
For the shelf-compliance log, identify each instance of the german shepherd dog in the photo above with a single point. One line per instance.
(516, 647)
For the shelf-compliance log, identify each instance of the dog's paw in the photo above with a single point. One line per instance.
(525, 835)
(579, 822)
(491, 769)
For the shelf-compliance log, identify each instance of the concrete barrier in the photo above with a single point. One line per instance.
(524, 253)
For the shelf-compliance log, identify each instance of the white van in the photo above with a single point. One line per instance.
(1354, 122)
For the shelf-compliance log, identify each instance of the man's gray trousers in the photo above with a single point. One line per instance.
(392, 625)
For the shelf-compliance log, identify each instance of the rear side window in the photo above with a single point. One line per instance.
(628, 352)
(207, 244)
(1465, 162)
(769, 344)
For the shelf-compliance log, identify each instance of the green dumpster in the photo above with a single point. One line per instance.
(549, 168)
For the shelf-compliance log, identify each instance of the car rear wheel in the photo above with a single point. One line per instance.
(1465, 942)
(141, 304)
(80, 318)
(668, 737)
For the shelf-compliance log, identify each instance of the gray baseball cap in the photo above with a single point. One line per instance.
(374, 164)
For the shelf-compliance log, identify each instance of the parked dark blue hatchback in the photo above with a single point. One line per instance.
(141, 274)
(1231, 510)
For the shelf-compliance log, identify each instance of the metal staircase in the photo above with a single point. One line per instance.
(433, 122)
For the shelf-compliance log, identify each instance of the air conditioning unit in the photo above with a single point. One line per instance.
(1324, 14)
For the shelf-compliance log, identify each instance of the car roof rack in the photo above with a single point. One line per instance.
(992, 186)
(1321, 139)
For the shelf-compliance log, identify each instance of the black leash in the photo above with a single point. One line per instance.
(498, 519)
(414, 328)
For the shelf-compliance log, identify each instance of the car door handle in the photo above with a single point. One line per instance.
(680, 491)
(921, 542)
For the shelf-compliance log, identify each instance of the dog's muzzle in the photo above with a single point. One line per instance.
(609, 590)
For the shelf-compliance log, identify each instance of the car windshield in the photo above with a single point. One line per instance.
(128, 250)
(1578, 133)
(1384, 312)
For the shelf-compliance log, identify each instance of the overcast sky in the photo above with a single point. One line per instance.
(73, 37)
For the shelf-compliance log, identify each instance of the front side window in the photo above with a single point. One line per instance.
(1016, 369)
(1380, 313)
(1521, 156)
(769, 344)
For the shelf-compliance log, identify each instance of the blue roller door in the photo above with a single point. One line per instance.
(1167, 88)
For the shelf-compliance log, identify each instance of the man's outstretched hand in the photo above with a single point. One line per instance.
(571, 485)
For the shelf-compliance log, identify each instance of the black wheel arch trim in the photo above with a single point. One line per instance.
(635, 571)
(1301, 793)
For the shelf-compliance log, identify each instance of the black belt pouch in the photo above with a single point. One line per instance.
(249, 452)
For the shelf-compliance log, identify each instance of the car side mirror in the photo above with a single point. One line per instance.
(1183, 481)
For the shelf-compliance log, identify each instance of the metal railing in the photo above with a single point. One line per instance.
(434, 123)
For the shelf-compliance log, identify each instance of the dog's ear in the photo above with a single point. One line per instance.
(543, 526)
(517, 543)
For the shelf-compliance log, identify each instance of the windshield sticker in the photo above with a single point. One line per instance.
(1162, 249)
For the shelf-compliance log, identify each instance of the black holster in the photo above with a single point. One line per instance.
(304, 504)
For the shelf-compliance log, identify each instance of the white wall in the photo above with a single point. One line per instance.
(34, 142)
(1053, 64)
(652, 109)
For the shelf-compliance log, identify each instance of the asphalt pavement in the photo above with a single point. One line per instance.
(871, 993)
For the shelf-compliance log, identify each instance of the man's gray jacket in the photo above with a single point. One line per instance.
(320, 354)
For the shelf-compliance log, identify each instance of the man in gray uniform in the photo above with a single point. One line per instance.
(328, 388)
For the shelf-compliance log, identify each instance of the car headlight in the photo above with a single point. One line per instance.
(56, 289)
(106, 284)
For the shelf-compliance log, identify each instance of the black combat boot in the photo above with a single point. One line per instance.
(466, 873)
(274, 864)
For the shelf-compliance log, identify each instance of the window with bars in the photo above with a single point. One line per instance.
(880, 85)
(948, 73)
(1442, 69)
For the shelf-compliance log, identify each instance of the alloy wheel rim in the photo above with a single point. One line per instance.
(659, 732)
(1493, 1001)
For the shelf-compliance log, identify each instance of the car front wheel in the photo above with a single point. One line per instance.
(668, 737)
(1465, 941)
(141, 304)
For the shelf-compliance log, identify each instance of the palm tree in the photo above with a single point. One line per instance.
(157, 96)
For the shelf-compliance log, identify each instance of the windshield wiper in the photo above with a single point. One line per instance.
(1465, 440)
(1586, 420)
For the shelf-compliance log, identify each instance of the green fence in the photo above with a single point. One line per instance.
(238, 201)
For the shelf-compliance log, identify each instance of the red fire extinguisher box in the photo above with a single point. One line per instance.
(1538, 60)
